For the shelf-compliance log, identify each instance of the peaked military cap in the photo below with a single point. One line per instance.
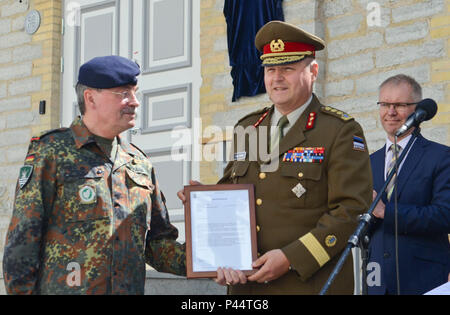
(108, 72)
(283, 43)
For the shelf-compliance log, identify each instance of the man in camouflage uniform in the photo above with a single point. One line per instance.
(88, 212)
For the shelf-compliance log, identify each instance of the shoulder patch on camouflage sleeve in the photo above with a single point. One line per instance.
(336, 113)
(25, 174)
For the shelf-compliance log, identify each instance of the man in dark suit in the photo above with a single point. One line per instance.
(423, 202)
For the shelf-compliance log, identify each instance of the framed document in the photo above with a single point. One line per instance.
(220, 229)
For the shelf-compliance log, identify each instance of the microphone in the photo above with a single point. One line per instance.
(425, 110)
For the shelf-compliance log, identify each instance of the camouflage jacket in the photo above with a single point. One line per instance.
(85, 225)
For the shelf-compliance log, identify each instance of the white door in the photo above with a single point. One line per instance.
(91, 28)
(163, 36)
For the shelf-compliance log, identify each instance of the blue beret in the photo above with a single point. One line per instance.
(108, 72)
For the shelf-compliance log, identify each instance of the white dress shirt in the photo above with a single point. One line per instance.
(292, 117)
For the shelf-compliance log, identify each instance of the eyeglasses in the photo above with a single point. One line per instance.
(127, 95)
(400, 107)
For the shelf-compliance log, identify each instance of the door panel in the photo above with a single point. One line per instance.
(163, 37)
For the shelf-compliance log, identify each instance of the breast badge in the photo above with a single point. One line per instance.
(299, 190)
(87, 194)
(305, 155)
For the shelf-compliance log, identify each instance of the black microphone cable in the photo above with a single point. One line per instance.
(394, 193)
(396, 167)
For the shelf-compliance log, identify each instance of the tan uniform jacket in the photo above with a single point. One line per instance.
(311, 227)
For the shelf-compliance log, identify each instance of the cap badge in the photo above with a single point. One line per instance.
(277, 45)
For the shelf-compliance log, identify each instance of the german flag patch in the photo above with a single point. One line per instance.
(30, 158)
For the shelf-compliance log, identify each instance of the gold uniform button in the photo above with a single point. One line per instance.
(259, 202)
(300, 175)
(258, 228)
(262, 175)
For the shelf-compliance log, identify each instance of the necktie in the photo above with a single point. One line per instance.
(278, 135)
(390, 186)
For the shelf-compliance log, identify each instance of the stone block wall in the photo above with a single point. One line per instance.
(367, 41)
(29, 73)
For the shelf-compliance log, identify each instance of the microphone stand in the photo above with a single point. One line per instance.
(364, 222)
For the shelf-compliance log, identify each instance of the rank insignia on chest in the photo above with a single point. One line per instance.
(305, 155)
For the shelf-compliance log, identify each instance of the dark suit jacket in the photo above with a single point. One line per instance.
(423, 221)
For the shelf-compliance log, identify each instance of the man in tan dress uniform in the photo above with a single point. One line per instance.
(309, 195)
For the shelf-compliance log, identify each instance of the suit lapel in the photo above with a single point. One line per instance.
(416, 153)
(378, 159)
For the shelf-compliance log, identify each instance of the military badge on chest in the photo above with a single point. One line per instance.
(87, 194)
(299, 190)
(305, 155)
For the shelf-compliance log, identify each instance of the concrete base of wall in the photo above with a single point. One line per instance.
(166, 284)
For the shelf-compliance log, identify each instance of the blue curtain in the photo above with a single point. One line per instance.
(244, 18)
